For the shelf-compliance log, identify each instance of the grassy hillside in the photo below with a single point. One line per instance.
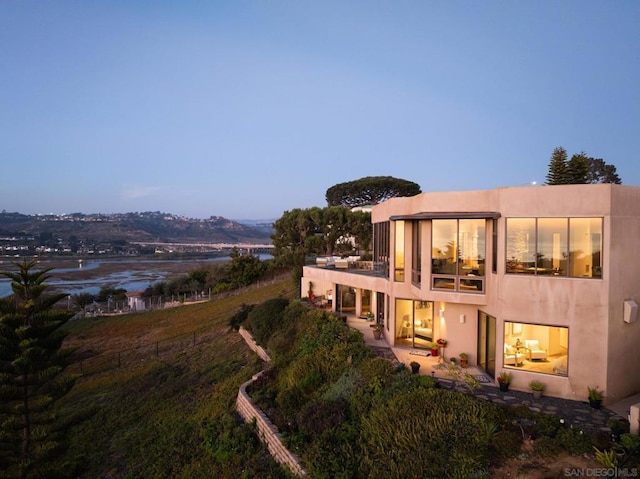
(154, 416)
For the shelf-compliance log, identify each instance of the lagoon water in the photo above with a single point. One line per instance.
(131, 279)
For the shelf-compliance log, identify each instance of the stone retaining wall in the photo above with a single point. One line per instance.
(259, 350)
(267, 432)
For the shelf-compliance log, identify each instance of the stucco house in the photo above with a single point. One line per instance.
(542, 281)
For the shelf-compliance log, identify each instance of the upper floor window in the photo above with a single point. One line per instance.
(458, 254)
(399, 257)
(555, 246)
(416, 252)
(381, 247)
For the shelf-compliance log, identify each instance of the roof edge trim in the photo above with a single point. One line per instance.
(448, 215)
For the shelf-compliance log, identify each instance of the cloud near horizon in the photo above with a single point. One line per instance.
(132, 192)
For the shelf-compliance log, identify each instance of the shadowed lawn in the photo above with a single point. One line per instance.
(150, 419)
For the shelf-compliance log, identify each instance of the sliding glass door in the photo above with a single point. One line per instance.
(487, 343)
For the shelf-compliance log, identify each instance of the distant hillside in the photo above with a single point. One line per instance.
(130, 227)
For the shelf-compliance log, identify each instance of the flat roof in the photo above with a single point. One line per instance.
(448, 215)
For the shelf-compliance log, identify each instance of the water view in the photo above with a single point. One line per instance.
(89, 276)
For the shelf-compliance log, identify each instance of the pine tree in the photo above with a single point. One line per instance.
(31, 372)
(558, 170)
(578, 169)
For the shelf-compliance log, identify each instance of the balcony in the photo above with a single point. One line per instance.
(353, 264)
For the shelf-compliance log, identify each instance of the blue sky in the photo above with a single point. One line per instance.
(246, 109)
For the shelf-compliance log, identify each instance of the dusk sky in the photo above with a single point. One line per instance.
(246, 109)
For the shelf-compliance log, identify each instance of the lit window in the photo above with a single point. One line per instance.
(536, 348)
(555, 246)
(458, 254)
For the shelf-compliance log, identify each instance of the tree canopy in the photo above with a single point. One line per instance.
(31, 372)
(319, 231)
(370, 190)
(580, 169)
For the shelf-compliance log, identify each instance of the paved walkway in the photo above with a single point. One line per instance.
(576, 413)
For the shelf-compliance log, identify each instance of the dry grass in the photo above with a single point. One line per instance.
(116, 333)
(148, 418)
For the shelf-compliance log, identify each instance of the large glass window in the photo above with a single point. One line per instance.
(494, 246)
(585, 247)
(345, 299)
(444, 247)
(399, 257)
(414, 323)
(381, 239)
(471, 234)
(555, 246)
(416, 253)
(521, 245)
(536, 348)
(366, 301)
(552, 246)
(458, 254)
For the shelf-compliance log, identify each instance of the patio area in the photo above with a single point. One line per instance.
(577, 412)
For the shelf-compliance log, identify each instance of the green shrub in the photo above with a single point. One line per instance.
(546, 446)
(263, 319)
(377, 373)
(548, 425)
(427, 433)
(523, 412)
(505, 444)
(240, 317)
(290, 400)
(630, 442)
(234, 446)
(335, 454)
(294, 324)
(229, 438)
(574, 441)
(346, 386)
(618, 426)
(320, 416)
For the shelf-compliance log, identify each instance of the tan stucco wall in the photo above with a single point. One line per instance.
(623, 274)
(603, 349)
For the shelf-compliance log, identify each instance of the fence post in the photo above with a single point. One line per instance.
(157, 348)
(118, 358)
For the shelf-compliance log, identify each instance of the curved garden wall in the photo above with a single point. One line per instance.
(267, 432)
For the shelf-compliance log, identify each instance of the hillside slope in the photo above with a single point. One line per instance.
(130, 227)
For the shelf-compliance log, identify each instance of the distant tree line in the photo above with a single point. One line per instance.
(241, 270)
(580, 169)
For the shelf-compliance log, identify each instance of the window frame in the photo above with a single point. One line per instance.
(553, 347)
(563, 266)
(472, 282)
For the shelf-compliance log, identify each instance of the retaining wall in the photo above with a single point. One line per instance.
(259, 350)
(267, 432)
